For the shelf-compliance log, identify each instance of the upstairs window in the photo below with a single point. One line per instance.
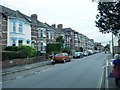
(41, 34)
(14, 26)
(20, 27)
(51, 36)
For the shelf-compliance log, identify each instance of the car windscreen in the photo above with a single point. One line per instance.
(57, 55)
(77, 52)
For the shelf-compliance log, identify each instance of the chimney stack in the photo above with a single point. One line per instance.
(60, 26)
(53, 25)
(34, 16)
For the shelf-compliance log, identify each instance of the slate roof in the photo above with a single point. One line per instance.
(55, 29)
(11, 13)
(48, 26)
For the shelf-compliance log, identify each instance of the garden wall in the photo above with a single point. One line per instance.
(23, 61)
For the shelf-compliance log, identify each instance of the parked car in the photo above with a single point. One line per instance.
(85, 53)
(78, 55)
(90, 52)
(61, 57)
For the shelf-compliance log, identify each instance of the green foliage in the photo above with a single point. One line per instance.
(67, 50)
(107, 47)
(60, 39)
(14, 52)
(80, 49)
(53, 48)
(9, 55)
(28, 50)
(108, 19)
(57, 47)
(12, 48)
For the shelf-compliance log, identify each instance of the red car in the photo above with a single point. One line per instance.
(61, 57)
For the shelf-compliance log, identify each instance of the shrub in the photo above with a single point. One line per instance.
(9, 55)
(12, 48)
(28, 50)
(14, 52)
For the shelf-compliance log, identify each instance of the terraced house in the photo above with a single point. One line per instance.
(16, 29)
(20, 29)
(38, 34)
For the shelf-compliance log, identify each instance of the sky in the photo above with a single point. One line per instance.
(80, 15)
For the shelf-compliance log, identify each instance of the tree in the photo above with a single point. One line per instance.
(108, 19)
(107, 47)
(53, 48)
(60, 40)
(67, 50)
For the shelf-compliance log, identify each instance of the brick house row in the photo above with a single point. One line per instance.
(20, 29)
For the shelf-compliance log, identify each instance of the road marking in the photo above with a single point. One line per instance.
(19, 77)
(111, 63)
(100, 80)
(47, 70)
(106, 75)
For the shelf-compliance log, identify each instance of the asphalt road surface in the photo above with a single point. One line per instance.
(79, 73)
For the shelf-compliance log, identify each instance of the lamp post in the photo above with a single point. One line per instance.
(112, 45)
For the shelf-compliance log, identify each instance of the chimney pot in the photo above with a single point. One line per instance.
(34, 16)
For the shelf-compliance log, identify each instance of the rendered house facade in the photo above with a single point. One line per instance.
(16, 28)
(18, 31)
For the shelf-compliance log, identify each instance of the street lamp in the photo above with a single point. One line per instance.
(112, 45)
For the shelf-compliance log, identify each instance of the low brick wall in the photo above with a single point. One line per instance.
(15, 62)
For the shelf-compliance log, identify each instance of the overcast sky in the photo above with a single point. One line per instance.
(76, 14)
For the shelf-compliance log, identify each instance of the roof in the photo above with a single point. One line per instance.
(12, 13)
(48, 26)
(55, 29)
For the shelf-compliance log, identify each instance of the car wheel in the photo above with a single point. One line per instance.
(53, 62)
(69, 60)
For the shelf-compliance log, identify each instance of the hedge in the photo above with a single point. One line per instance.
(15, 52)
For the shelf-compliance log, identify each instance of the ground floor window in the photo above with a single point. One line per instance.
(13, 42)
(33, 44)
(20, 42)
(28, 42)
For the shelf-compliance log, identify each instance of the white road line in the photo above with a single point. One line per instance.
(100, 80)
(19, 77)
(111, 63)
(106, 74)
(47, 70)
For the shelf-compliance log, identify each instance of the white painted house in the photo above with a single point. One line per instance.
(18, 30)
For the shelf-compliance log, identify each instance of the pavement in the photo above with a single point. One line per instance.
(109, 79)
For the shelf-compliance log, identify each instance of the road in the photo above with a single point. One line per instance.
(79, 73)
